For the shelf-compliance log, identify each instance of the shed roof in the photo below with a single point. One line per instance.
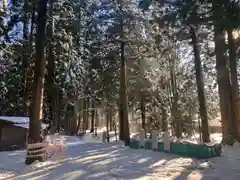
(15, 119)
(22, 122)
(26, 126)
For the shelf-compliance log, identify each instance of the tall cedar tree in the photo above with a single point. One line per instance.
(38, 83)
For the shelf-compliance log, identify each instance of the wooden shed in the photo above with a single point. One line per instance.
(13, 132)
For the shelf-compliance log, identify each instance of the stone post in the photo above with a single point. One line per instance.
(166, 141)
(154, 140)
(54, 137)
(104, 136)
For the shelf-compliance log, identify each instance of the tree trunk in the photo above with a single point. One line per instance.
(57, 109)
(38, 83)
(200, 86)
(25, 56)
(143, 113)
(79, 123)
(164, 119)
(69, 115)
(85, 113)
(96, 121)
(29, 73)
(92, 117)
(122, 83)
(176, 121)
(51, 91)
(121, 121)
(123, 94)
(110, 120)
(107, 124)
(80, 116)
(123, 99)
(73, 119)
(73, 125)
(224, 86)
(234, 81)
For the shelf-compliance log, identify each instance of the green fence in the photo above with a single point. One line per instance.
(190, 150)
(134, 144)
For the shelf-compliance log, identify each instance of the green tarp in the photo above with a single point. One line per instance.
(183, 149)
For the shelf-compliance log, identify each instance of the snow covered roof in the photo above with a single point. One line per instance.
(22, 122)
(15, 119)
(26, 126)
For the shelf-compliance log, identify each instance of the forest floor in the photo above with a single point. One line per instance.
(89, 159)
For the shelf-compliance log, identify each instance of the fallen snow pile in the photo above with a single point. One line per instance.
(90, 159)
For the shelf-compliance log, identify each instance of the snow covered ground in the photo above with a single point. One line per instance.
(89, 159)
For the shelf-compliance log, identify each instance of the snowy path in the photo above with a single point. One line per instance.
(92, 160)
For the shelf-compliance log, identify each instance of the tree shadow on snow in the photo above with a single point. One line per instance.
(113, 161)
